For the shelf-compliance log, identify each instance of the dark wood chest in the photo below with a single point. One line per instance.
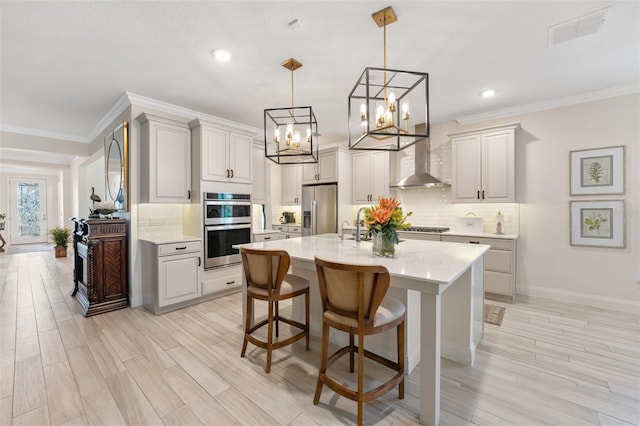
(100, 265)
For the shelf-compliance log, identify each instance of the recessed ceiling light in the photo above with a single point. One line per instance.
(221, 55)
(488, 93)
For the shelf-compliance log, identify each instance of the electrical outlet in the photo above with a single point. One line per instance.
(638, 279)
(156, 221)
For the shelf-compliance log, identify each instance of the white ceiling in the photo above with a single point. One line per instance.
(65, 64)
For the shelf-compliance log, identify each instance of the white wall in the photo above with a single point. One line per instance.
(547, 265)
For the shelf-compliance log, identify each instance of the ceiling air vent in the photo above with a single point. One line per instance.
(577, 27)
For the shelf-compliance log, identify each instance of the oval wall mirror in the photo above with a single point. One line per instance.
(116, 155)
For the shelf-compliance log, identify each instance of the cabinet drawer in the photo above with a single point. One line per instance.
(280, 228)
(178, 248)
(266, 237)
(495, 243)
(222, 279)
(499, 260)
(498, 282)
(295, 230)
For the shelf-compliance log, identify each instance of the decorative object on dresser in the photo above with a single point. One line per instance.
(60, 236)
(598, 171)
(598, 223)
(291, 147)
(100, 265)
(379, 116)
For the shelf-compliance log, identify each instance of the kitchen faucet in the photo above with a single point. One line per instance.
(358, 239)
(342, 229)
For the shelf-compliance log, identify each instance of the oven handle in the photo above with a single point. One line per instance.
(227, 202)
(226, 227)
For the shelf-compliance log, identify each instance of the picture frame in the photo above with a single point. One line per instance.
(598, 223)
(598, 171)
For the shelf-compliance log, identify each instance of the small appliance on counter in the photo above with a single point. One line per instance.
(470, 224)
(288, 217)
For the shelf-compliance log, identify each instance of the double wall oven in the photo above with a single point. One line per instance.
(227, 221)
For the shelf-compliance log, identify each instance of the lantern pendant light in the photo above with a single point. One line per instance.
(385, 104)
(290, 134)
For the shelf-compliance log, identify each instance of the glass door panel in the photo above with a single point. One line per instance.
(28, 211)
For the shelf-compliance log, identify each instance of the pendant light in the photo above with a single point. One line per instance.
(385, 104)
(290, 133)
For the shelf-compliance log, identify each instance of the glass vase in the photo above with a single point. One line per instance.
(383, 245)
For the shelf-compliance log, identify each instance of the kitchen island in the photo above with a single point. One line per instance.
(441, 284)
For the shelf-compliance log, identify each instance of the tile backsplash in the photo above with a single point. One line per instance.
(154, 217)
(433, 207)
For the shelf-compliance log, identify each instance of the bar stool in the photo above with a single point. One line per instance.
(268, 280)
(353, 301)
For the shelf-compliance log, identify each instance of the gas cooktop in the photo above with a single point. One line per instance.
(426, 229)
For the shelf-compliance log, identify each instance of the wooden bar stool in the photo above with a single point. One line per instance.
(353, 301)
(268, 280)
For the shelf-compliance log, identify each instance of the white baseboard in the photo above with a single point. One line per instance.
(458, 353)
(582, 299)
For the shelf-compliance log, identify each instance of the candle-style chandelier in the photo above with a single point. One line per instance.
(290, 133)
(386, 104)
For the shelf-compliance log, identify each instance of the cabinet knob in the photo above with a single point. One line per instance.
(474, 242)
(199, 261)
(483, 194)
(181, 248)
(227, 172)
(231, 282)
(231, 173)
(267, 238)
(188, 194)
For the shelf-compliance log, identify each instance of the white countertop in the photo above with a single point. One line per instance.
(168, 238)
(429, 261)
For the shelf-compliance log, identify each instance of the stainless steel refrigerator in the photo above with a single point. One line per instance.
(319, 209)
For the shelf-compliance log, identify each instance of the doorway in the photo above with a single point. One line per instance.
(28, 199)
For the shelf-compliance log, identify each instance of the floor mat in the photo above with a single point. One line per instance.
(28, 248)
(493, 314)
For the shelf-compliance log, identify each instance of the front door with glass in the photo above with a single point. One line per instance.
(28, 201)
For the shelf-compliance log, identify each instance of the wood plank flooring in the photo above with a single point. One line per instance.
(548, 363)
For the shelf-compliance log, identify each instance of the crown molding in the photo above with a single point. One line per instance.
(41, 133)
(118, 108)
(188, 113)
(551, 103)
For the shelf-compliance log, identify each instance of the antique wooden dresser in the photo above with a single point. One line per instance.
(100, 265)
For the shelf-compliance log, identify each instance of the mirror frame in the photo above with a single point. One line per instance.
(119, 135)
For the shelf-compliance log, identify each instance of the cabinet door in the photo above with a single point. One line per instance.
(240, 158)
(498, 166)
(259, 193)
(327, 168)
(178, 279)
(361, 178)
(379, 172)
(214, 158)
(309, 173)
(291, 184)
(169, 163)
(466, 178)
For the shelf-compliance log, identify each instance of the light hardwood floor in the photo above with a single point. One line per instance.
(549, 363)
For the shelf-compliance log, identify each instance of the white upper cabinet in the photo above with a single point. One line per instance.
(324, 171)
(484, 165)
(165, 160)
(225, 156)
(259, 193)
(370, 176)
(291, 184)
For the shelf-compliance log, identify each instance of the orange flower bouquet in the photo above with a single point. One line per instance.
(383, 222)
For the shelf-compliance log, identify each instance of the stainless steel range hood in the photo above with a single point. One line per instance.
(421, 177)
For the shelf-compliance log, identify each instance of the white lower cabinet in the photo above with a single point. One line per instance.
(499, 264)
(291, 230)
(222, 280)
(170, 277)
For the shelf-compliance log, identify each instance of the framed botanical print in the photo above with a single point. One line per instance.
(597, 171)
(598, 223)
